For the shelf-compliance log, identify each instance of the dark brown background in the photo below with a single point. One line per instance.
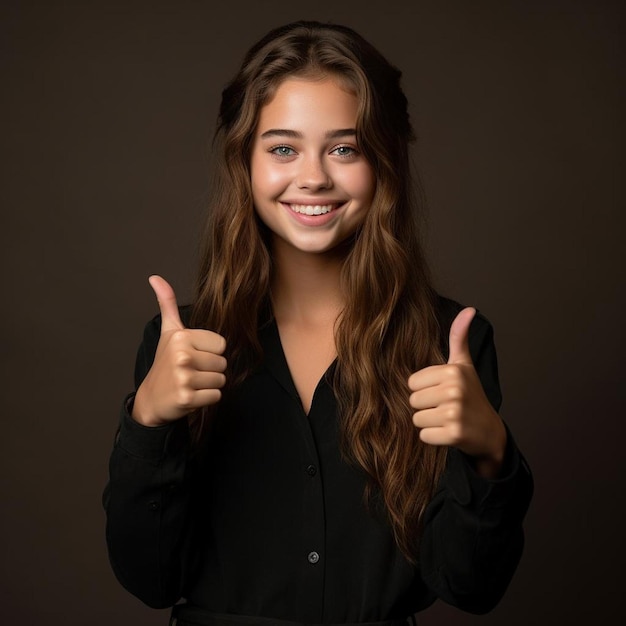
(108, 110)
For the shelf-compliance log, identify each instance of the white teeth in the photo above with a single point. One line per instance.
(310, 209)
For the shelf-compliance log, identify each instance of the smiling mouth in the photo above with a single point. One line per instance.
(313, 209)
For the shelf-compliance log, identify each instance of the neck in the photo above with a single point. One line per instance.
(305, 286)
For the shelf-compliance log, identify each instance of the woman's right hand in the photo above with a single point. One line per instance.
(188, 369)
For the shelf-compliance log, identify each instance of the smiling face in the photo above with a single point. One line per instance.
(311, 186)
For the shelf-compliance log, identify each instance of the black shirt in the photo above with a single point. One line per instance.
(271, 520)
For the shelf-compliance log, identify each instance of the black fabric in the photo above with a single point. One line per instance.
(183, 615)
(270, 521)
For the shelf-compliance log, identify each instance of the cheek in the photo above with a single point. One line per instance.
(360, 183)
(267, 179)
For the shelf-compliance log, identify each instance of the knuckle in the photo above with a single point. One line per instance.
(453, 372)
(185, 398)
(454, 392)
(176, 339)
(182, 358)
(456, 433)
(182, 378)
(453, 414)
(179, 336)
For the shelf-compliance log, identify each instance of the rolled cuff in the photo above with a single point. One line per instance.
(149, 443)
(471, 489)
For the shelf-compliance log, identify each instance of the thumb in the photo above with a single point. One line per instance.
(459, 337)
(170, 318)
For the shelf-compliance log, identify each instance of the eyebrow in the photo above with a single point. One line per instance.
(294, 134)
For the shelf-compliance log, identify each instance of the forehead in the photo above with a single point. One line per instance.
(301, 104)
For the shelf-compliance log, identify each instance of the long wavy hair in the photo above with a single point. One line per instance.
(388, 328)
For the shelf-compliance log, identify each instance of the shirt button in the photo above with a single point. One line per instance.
(311, 470)
(313, 557)
(153, 505)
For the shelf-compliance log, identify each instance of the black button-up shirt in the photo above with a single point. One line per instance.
(269, 520)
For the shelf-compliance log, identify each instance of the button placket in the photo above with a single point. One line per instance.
(313, 530)
(313, 557)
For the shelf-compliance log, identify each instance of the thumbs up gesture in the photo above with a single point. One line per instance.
(451, 408)
(188, 369)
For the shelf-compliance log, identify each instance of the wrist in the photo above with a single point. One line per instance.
(140, 412)
(487, 467)
(490, 465)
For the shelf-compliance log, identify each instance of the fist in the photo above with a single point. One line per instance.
(188, 369)
(451, 408)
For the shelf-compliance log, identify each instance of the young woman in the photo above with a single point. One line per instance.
(316, 439)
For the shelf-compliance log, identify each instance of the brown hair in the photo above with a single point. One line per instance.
(389, 326)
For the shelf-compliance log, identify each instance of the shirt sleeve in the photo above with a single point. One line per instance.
(473, 537)
(147, 498)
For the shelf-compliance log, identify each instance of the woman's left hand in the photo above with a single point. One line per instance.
(451, 408)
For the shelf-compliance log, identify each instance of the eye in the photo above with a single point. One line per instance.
(282, 151)
(344, 151)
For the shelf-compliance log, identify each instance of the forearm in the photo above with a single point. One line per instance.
(473, 537)
(147, 502)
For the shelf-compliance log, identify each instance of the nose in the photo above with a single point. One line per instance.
(313, 174)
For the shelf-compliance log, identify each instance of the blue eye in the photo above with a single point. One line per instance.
(344, 151)
(283, 151)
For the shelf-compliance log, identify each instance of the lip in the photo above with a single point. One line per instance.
(314, 201)
(313, 220)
